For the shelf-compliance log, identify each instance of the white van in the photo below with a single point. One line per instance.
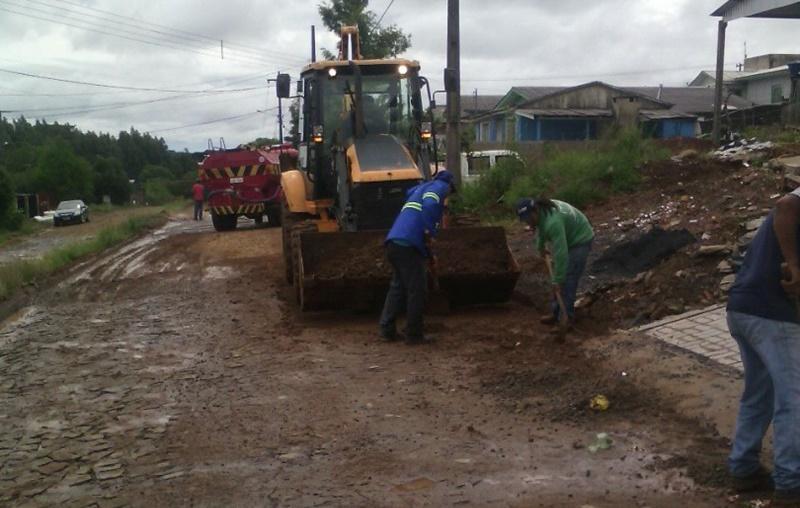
(473, 164)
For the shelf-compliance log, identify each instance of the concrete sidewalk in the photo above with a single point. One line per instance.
(704, 332)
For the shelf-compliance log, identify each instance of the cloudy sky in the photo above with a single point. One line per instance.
(162, 73)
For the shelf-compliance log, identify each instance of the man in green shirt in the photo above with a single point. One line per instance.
(570, 236)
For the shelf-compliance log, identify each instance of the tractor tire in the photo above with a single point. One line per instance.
(274, 216)
(304, 226)
(259, 220)
(292, 224)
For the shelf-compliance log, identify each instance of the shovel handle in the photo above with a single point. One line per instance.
(433, 267)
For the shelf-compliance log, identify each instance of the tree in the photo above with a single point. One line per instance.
(294, 125)
(9, 217)
(110, 180)
(376, 41)
(62, 174)
(152, 172)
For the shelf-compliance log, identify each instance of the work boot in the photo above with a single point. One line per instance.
(391, 335)
(548, 320)
(759, 481)
(786, 498)
(419, 340)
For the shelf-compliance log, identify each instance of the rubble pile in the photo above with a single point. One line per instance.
(744, 150)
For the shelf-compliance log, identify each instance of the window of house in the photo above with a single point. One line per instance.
(777, 94)
(477, 165)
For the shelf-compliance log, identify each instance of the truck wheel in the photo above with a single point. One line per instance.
(259, 220)
(224, 222)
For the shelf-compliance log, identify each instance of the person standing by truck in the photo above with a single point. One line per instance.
(408, 246)
(198, 195)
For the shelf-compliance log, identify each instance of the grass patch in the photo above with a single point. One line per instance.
(28, 227)
(776, 134)
(16, 275)
(578, 177)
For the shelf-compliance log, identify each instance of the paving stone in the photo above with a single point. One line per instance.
(77, 479)
(109, 475)
(702, 332)
(52, 468)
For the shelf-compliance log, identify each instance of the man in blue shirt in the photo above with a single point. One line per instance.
(408, 246)
(763, 318)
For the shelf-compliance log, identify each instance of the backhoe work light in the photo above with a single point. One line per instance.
(403, 70)
(332, 72)
(316, 134)
(426, 132)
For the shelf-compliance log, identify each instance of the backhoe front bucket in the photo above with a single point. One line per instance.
(350, 270)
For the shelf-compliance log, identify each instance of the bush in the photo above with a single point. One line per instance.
(10, 218)
(156, 192)
(578, 177)
(484, 194)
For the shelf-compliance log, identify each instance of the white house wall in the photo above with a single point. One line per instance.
(760, 90)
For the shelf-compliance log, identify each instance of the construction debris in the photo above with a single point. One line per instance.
(744, 150)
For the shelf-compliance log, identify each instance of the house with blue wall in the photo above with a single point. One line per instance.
(586, 111)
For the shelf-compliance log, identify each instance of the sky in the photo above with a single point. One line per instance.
(174, 83)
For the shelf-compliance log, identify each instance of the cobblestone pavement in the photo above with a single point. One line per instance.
(704, 332)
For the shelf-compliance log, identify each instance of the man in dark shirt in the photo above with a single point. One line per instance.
(763, 318)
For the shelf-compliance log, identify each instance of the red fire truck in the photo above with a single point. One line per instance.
(245, 182)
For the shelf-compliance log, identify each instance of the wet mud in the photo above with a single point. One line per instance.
(177, 370)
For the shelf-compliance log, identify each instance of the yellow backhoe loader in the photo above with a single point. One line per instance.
(365, 140)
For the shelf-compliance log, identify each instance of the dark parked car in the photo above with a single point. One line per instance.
(74, 211)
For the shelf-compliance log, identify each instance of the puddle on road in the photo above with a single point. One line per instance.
(20, 319)
(219, 273)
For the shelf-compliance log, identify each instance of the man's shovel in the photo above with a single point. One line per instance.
(563, 317)
(438, 303)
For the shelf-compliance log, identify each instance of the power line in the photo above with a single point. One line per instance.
(582, 76)
(118, 105)
(122, 87)
(20, 93)
(385, 11)
(245, 60)
(229, 118)
(184, 32)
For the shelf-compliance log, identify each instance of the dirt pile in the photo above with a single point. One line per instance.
(631, 257)
(363, 255)
(708, 199)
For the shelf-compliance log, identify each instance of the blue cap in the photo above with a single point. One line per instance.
(444, 176)
(524, 208)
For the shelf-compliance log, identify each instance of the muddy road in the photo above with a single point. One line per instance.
(47, 237)
(175, 370)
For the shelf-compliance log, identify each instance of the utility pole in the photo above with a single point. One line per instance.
(280, 119)
(453, 87)
(717, 131)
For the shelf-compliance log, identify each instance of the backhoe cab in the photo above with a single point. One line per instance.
(363, 141)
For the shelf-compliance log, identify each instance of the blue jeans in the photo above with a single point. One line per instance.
(576, 264)
(771, 357)
(198, 210)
